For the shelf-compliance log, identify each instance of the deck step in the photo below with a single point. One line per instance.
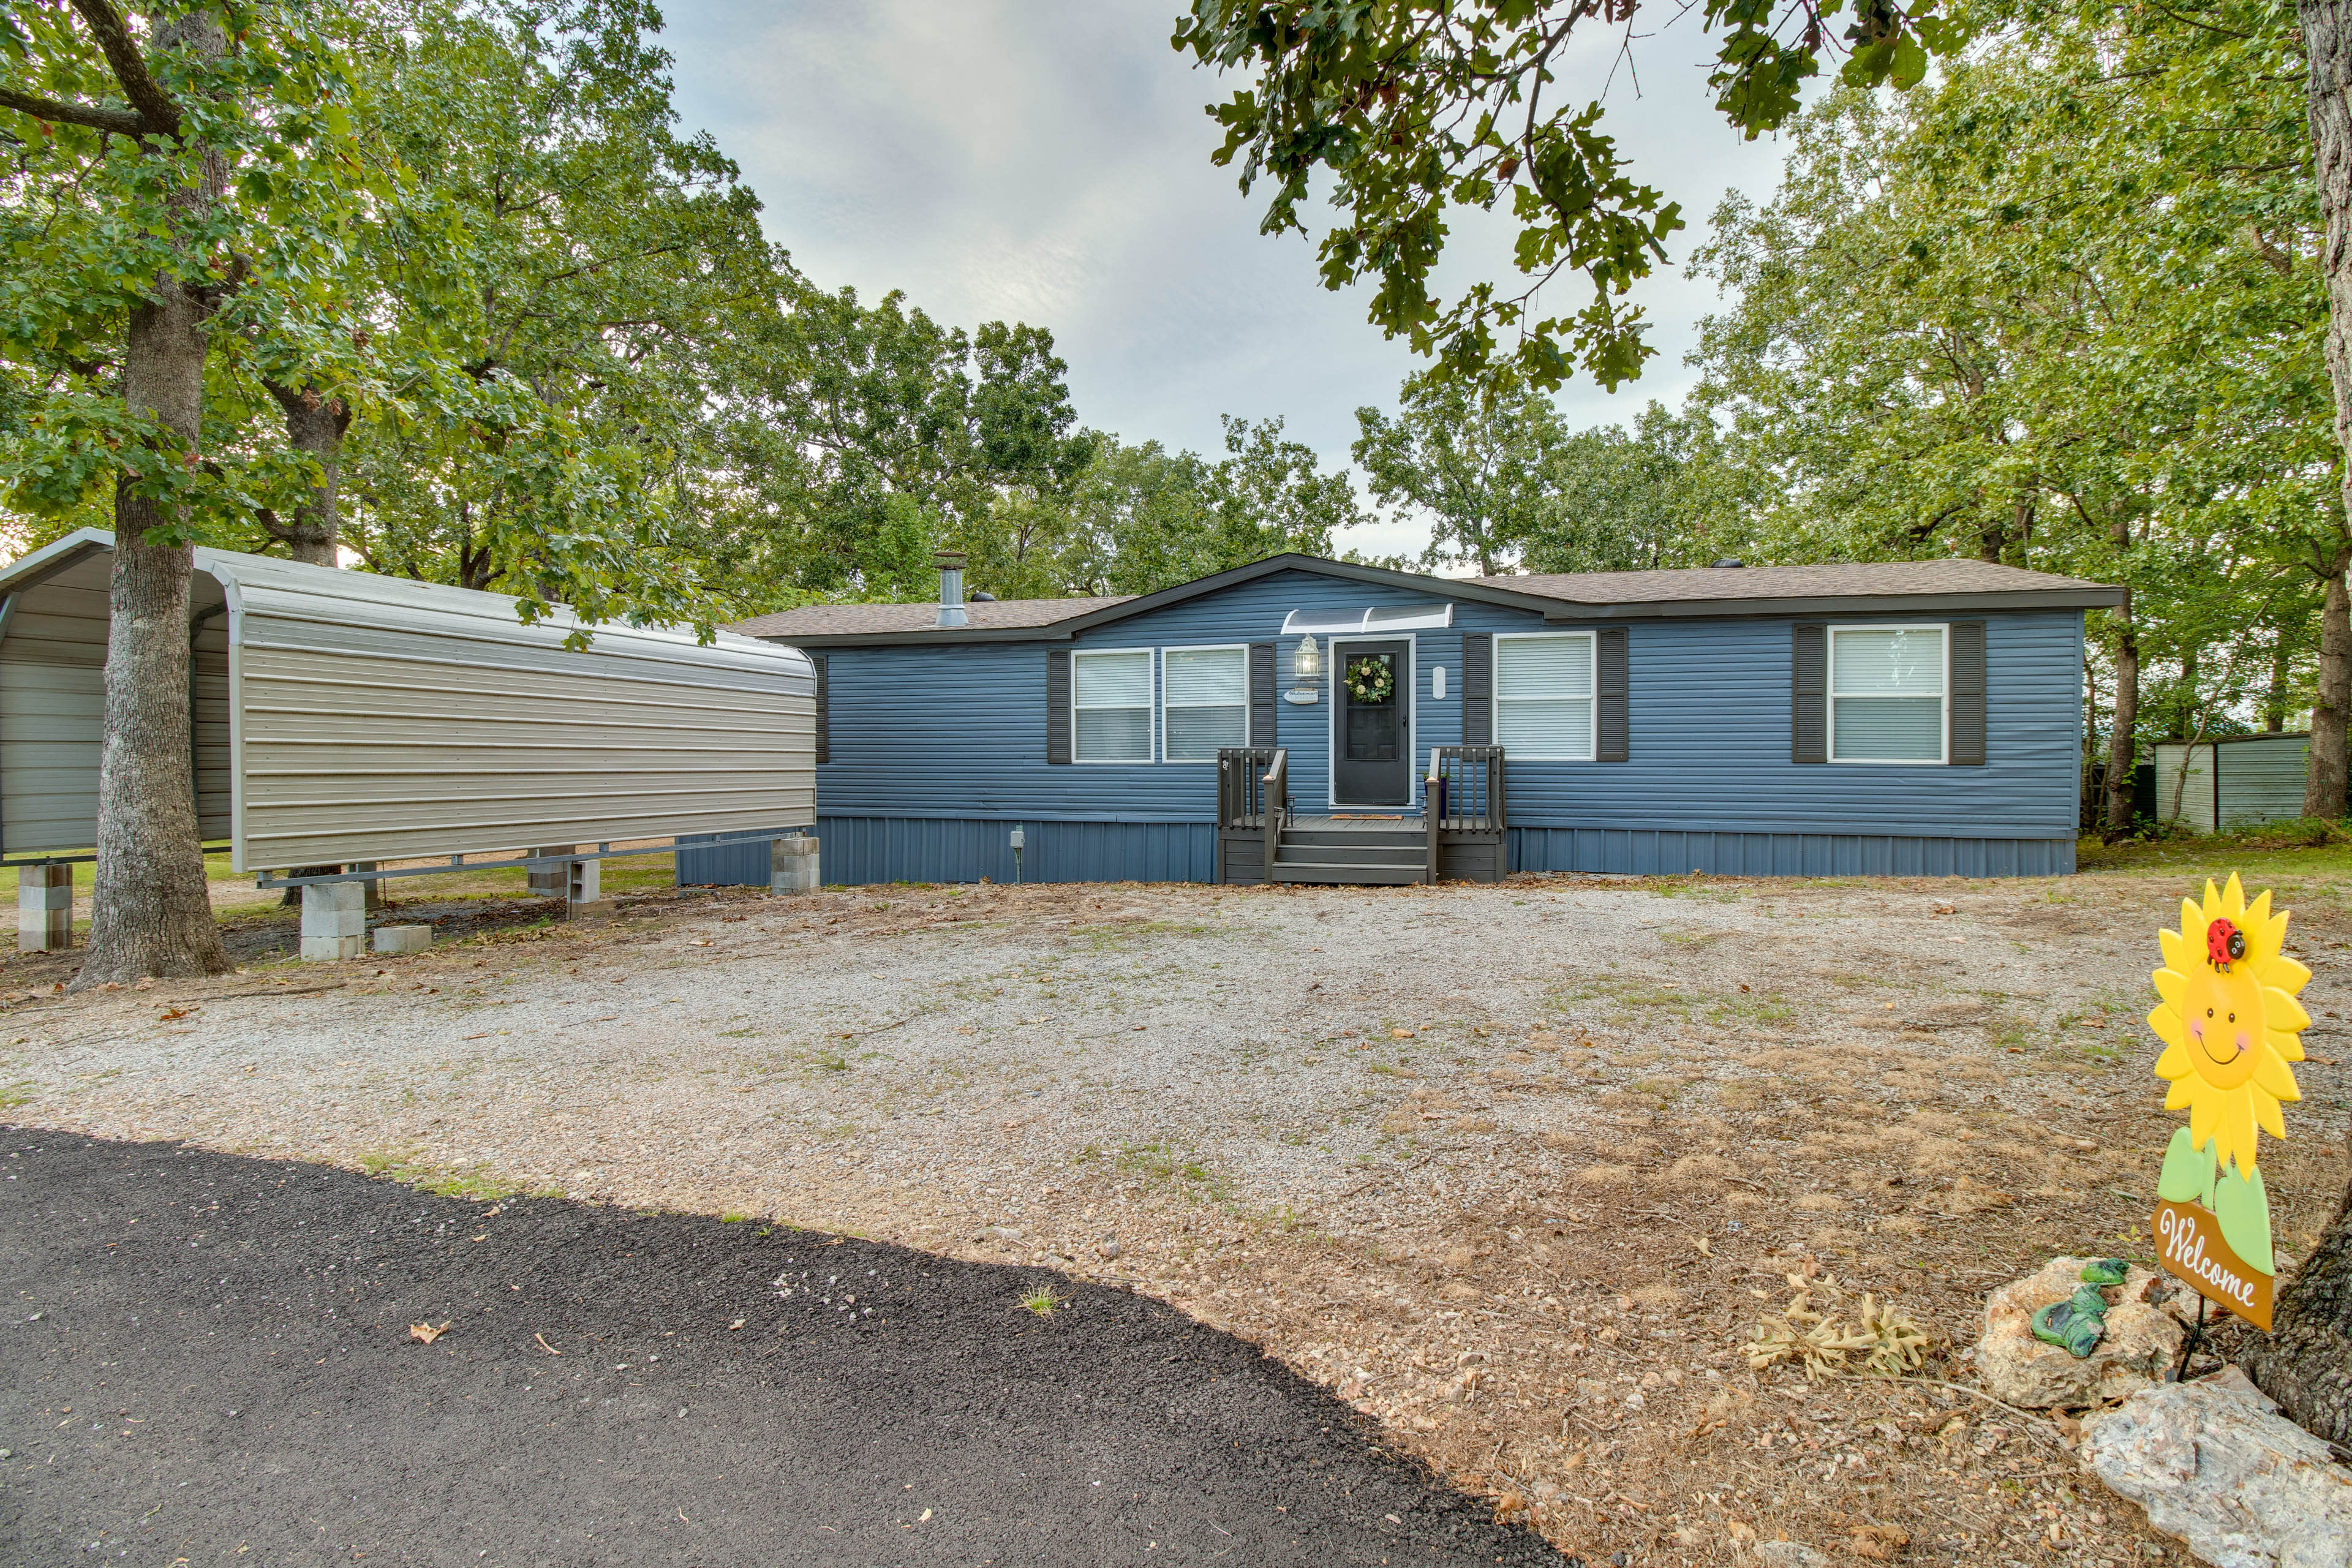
(1351, 871)
(1349, 838)
(1354, 854)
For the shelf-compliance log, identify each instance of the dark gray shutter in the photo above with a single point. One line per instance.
(823, 713)
(1261, 694)
(1057, 707)
(1809, 695)
(1967, 701)
(1478, 689)
(1609, 662)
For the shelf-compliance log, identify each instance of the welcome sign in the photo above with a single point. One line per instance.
(2231, 1026)
(2190, 1244)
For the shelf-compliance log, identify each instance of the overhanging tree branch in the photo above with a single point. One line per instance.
(157, 112)
(121, 121)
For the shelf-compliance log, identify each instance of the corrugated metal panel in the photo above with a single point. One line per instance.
(2194, 799)
(747, 865)
(370, 717)
(1631, 852)
(2263, 779)
(860, 850)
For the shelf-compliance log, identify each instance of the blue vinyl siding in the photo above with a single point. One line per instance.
(937, 750)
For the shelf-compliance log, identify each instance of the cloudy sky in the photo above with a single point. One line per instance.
(1047, 161)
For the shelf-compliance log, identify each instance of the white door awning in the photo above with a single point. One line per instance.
(1378, 618)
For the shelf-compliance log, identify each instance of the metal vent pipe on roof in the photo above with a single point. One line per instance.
(952, 610)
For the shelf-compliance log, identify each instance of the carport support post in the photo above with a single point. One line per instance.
(550, 878)
(334, 922)
(44, 908)
(793, 863)
(584, 888)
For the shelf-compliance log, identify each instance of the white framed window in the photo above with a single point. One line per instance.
(1889, 688)
(1204, 702)
(1543, 704)
(1110, 706)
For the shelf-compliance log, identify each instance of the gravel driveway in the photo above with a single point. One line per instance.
(1514, 1169)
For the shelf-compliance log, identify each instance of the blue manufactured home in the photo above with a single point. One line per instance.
(1296, 718)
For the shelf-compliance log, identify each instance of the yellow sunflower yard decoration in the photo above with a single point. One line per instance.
(2229, 1021)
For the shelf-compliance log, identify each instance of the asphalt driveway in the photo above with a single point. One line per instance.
(209, 1360)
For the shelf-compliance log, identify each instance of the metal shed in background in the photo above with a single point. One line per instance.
(343, 716)
(2234, 781)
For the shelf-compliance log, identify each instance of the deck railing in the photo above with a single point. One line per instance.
(1464, 800)
(1470, 786)
(1253, 792)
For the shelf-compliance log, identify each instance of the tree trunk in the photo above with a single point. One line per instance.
(2281, 671)
(315, 425)
(2305, 1363)
(2323, 780)
(2122, 739)
(151, 913)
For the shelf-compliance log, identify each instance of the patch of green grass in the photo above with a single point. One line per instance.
(1769, 1009)
(2314, 849)
(17, 1094)
(733, 1217)
(1042, 1302)
(1161, 1163)
(404, 1165)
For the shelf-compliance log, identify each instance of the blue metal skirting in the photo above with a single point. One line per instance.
(1656, 853)
(730, 866)
(858, 850)
(861, 849)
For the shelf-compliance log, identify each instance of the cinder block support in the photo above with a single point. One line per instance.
(334, 922)
(403, 938)
(793, 863)
(44, 908)
(549, 878)
(583, 883)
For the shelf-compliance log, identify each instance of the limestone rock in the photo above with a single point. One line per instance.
(2220, 1470)
(2142, 1341)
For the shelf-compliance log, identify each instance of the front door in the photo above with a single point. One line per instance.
(1372, 765)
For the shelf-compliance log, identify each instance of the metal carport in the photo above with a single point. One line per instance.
(343, 716)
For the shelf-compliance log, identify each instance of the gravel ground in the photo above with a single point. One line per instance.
(214, 1360)
(1516, 1169)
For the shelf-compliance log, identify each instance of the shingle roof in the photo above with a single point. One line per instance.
(848, 620)
(1835, 579)
(1835, 587)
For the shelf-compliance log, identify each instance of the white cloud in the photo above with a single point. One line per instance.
(1048, 160)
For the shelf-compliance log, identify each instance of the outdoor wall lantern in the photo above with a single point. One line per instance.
(1306, 672)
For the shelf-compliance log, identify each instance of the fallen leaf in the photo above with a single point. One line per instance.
(926, 1519)
(426, 1334)
(1705, 1248)
(169, 1014)
(1400, 1034)
(735, 1325)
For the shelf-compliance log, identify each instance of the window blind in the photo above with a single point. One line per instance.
(1111, 700)
(1207, 697)
(1886, 694)
(1543, 696)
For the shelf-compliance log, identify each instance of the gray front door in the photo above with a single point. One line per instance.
(1373, 760)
